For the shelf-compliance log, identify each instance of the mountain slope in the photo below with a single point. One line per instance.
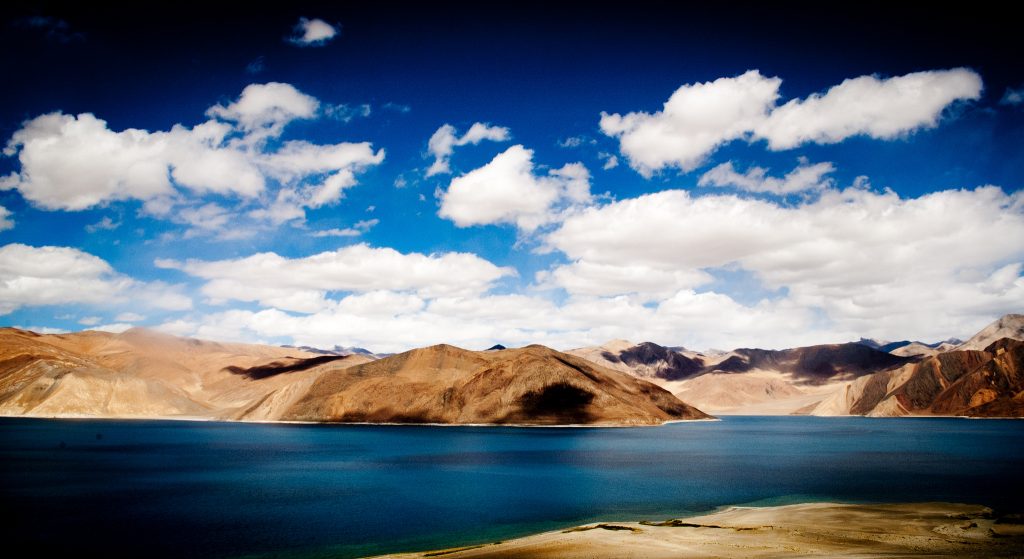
(446, 384)
(1008, 326)
(745, 381)
(144, 374)
(987, 383)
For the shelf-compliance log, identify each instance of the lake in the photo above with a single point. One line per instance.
(168, 488)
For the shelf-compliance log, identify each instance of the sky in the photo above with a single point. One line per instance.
(389, 177)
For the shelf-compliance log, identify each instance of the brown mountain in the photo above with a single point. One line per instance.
(971, 383)
(446, 384)
(746, 381)
(145, 374)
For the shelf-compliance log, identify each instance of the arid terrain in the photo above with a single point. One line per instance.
(144, 374)
(979, 378)
(805, 530)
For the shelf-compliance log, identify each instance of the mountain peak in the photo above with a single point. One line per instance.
(1007, 326)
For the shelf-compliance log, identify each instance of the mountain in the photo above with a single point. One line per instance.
(446, 384)
(918, 349)
(142, 373)
(1009, 326)
(646, 360)
(337, 350)
(882, 345)
(987, 383)
(744, 381)
(145, 374)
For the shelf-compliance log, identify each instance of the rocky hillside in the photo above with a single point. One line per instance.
(745, 381)
(987, 383)
(144, 374)
(446, 384)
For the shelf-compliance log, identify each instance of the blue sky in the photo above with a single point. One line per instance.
(748, 176)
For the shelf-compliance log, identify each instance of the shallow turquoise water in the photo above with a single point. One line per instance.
(160, 488)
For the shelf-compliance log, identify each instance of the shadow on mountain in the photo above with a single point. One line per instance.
(277, 367)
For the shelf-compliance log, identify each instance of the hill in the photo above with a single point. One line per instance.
(145, 374)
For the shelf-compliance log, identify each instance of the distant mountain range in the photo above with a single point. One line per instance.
(859, 378)
(146, 374)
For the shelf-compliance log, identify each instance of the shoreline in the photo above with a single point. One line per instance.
(794, 530)
(493, 425)
(355, 423)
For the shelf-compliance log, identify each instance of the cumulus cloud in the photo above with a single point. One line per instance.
(872, 262)
(848, 263)
(5, 219)
(389, 321)
(266, 108)
(49, 275)
(698, 118)
(444, 141)
(312, 32)
(600, 279)
(507, 190)
(77, 162)
(302, 284)
(878, 108)
(804, 177)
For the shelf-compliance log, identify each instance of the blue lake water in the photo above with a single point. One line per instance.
(161, 488)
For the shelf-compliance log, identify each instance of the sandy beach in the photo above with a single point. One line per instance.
(803, 530)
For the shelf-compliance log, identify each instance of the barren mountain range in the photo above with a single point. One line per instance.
(145, 374)
(980, 377)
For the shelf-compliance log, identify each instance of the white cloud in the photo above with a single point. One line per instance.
(589, 278)
(388, 321)
(695, 120)
(1012, 96)
(312, 32)
(266, 108)
(698, 118)
(115, 328)
(871, 263)
(804, 177)
(302, 284)
(5, 219)
(507, 190)
(129, 317)
(879, 108)
(444, 141)
(356, 230)
(105, 224)
(49, 275)
(74, 163)
(345, 113)
(610, 161)
(846, 264)
(89, 320)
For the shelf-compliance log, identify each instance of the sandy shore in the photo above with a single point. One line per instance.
(805, 530)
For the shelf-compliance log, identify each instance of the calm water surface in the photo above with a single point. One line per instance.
(159, 488)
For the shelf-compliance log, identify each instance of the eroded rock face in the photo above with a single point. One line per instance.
(987, 383)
